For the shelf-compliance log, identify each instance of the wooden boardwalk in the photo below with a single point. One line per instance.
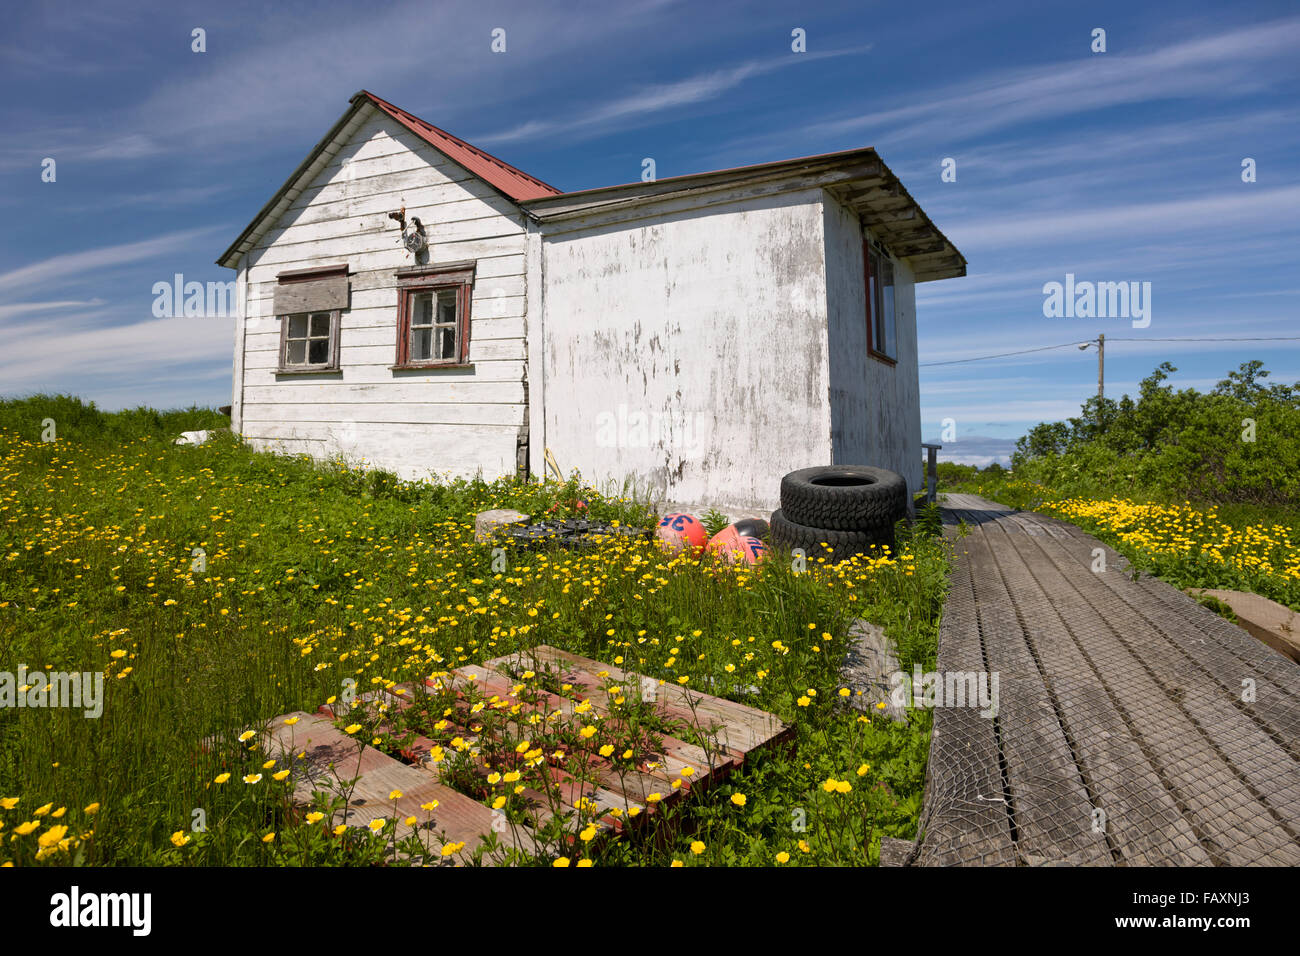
(1133, 727)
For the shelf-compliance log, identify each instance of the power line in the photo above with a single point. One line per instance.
(979, 358)
(1046, 348)
(1269, 338)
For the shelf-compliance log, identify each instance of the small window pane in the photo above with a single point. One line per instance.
(421, 345)
(889, 345)
(297, 352)
(297, 326)
(446, 306)
(318, 352)
(422, 308)
(320, 324)
(446, 342)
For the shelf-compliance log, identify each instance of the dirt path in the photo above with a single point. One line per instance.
(1132, 726)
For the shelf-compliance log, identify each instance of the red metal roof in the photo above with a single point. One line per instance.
(514, 183)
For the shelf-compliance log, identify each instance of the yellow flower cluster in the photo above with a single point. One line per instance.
(1184, 531)
(59, 837)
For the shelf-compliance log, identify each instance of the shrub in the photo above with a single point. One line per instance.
(1239, 443)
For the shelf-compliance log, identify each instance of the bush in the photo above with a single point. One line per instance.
(84, 424)
(950, 473)
(1239, 443)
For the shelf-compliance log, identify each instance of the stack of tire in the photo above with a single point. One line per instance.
(849, 507)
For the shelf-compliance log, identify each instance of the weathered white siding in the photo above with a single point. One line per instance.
(456, 421)
(686, 349)
(875, 407)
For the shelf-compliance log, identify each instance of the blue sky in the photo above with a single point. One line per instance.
(1116, 166)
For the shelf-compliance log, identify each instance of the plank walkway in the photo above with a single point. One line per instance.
(1133, 726)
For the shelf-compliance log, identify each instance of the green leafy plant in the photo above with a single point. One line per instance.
(714, 521)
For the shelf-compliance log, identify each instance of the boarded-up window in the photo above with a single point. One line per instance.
(433, 305)
(310, 303)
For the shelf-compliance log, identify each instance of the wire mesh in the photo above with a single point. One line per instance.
(1132, 726)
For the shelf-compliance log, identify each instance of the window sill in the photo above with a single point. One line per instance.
(302, 370)
(432, 367)
(883, 358)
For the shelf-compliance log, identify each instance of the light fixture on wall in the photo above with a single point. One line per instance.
(412, 232)
(413, 237)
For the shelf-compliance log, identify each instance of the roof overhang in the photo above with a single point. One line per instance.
(857, 178)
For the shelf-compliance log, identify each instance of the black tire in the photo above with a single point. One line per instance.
(788, 535)
(844, 498)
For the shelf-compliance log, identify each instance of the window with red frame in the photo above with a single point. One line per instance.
(433, 316)
(882, 329)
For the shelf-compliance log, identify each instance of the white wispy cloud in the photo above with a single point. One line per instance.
(99, 353)
(1215, 66)
(105, 257)
(26, 308)
(659, 98)
(1245, 207)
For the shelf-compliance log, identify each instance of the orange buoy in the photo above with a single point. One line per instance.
(752, 550)
(725, 542)
(733, 546)
(680, 532)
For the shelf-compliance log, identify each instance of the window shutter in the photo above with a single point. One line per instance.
(312, 290)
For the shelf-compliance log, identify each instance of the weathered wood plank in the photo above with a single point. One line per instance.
(449, 388)
(744, 727)
(366, 277)
(381, 375)
(380, 292)
(1052, 810)
(431, 202)
(379, 328)
(332, 759)
(349, 438)
(965, 818)
(379, 413)
(1143, 821)
(1227, 735)
(478, 223)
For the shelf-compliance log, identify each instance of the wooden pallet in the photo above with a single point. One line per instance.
(617, 793)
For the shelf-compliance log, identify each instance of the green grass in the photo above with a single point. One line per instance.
(217, 587)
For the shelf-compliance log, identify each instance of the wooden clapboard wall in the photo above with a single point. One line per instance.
(416, 423)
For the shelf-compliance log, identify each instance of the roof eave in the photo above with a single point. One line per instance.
(858, 178)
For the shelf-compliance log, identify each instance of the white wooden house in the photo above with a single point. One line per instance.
(696, 336)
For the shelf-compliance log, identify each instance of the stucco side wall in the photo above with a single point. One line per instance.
(685, 352)
(875, 407)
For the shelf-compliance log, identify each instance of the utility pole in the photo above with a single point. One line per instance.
(1101, 366)
(1100, 342)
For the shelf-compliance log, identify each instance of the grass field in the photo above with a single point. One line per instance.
(215, 587)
